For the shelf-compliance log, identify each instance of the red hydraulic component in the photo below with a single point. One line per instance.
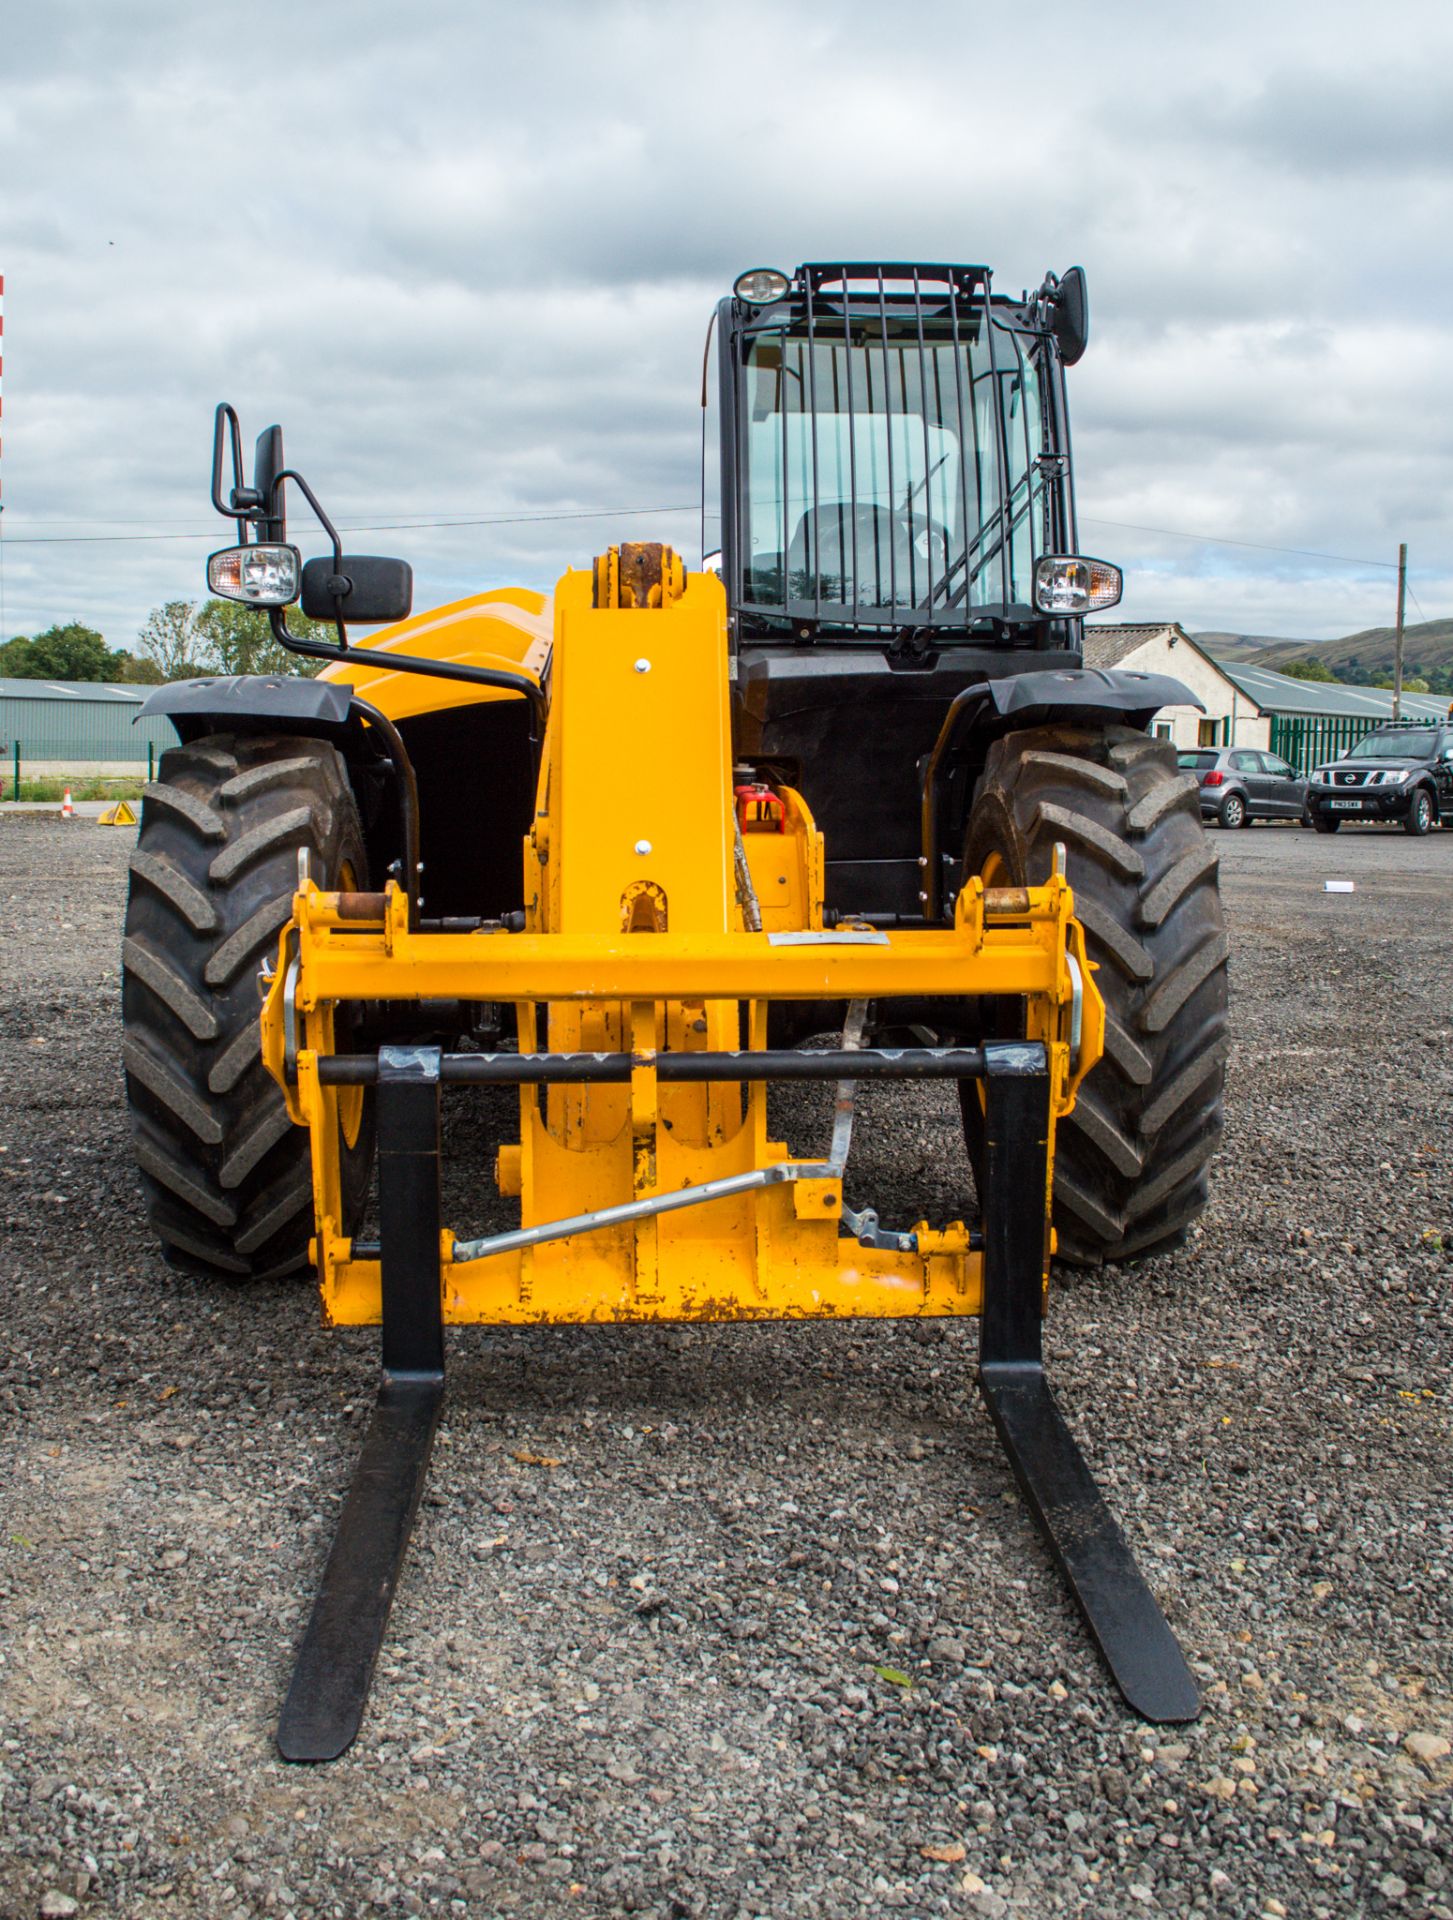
(760, 810)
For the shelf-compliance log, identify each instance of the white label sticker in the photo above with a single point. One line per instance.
(846, 937)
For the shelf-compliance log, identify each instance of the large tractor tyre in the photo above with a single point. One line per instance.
(227, 1176)
(1131, 1161)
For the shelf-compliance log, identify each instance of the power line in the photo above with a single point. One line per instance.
(1257, 546)
(1417, 603)
(415, 516)
(610, 513)
(372, 526)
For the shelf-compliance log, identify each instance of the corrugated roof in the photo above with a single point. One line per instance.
(1283, 693)
(12, 689)
(1108, 646)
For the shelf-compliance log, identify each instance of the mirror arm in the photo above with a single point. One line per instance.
(242, 502)
(291, 473)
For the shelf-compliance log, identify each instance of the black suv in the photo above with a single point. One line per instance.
(1400, 772)
(1242, 784)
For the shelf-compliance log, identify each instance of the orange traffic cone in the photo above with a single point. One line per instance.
(68, 812)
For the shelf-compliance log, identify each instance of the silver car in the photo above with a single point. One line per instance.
(1242, 784)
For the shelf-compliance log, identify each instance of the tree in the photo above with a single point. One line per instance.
(134, 671)
(238, 639)
(171, 640)
(1308, 670)
(15, 658)
(71, 652)
(222, 636)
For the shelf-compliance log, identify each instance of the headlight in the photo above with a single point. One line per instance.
(259, 576)
(1066, 583)
(1392, 777)
(759, 286)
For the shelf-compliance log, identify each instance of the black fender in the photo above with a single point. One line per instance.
(255, 703)
(989, 709)
(378, 769)
(1078, 693)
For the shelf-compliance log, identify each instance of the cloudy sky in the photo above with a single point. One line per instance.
(466, 253)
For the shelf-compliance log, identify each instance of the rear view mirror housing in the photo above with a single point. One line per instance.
(358, 587)
(268, 462)
(1070, 317)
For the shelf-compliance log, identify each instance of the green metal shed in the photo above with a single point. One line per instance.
(74, 726)
(1313, 721)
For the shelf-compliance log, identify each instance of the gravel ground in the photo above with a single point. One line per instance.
(650, 1649)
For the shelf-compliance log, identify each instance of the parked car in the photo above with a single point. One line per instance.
(1398, 773)
(1242, 784)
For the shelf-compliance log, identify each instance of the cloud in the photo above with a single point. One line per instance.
(467, 254)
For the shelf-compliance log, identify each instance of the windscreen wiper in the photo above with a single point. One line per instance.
(1002, 530)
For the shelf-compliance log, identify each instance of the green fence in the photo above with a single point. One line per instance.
(1310, 740)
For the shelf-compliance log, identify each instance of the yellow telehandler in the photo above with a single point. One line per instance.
(627, 848)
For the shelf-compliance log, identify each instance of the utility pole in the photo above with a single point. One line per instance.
(1397, 666)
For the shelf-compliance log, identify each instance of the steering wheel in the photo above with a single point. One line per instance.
(927, 540)
(886, 539)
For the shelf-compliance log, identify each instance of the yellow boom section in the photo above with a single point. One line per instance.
(662, 918)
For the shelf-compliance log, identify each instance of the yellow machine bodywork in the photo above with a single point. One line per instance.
(507, 627)
(653, 924)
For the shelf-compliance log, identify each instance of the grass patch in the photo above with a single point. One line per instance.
(119, 786)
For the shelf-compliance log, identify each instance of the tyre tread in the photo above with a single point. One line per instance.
(173, 885)
(227, 1175)
(161, 796)
(1131, 1161)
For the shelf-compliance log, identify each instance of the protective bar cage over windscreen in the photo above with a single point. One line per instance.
(899, 445)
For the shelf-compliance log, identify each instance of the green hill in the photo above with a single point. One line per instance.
(1429, 644)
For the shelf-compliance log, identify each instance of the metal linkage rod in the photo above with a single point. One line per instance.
(671, 1202)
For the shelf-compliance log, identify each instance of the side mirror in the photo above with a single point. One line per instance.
(362, 588)
(267, 463)
(1071, 319)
